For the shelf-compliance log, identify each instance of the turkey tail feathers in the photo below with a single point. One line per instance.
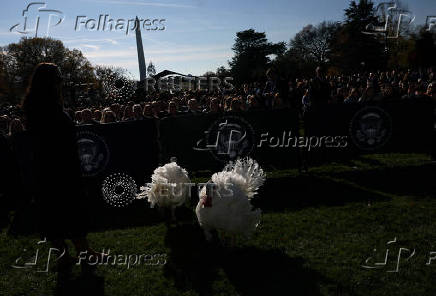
(252, 173)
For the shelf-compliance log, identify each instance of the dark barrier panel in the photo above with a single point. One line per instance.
(276, 134)
(125, 147)
(209, 141)
(404, 127)
(183, 137)
(128, 148)
(412, 124)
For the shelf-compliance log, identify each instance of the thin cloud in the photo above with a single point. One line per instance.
(155, 4)
(94, 47)
(172, 53)
(102, 40)
(169, 58)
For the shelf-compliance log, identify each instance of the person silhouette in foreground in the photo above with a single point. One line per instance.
(63, 212)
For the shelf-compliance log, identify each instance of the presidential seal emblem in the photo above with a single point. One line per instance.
(371, 128)
(93, 153)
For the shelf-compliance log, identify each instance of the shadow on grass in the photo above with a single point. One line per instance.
(87, 284)
(307, 191)
(277, 195)
(194, 264)
(415, 181)
(254, 271)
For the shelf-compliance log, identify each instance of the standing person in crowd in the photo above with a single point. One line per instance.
(15, 126)
(431, 92)
(148, 111)
(236, 105)
(10, 187)
(193, 106)
(87, 117)
(97, 115)
(57, 172)
(77, 117)
(278, 102)
(4, 125)
(172, 109)
(353, 97)
(108, 116)
(227, 104)
(116, 109)
(270, 85)
(128, 113)
(137, 112)
(253, 103)
(319, 89)
(214, 106)
(306, 101)
(368, 95)
(156, 110)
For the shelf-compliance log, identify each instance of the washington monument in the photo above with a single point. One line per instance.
(141, 59)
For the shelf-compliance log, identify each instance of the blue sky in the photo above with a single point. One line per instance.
(198, 34)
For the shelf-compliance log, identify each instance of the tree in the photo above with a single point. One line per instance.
(352, 49)
(19, 60)
(22, 57)
(78, 75)
(312, 43)
(209, 74)
(423, 55)
(151, 70)
(4, 90)
(252, 55)
(222, 72)
(115, 84)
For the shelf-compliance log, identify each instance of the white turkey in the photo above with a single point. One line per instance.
(224, 203)
(169, 187)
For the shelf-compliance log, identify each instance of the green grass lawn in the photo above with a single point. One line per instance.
(317, 230)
